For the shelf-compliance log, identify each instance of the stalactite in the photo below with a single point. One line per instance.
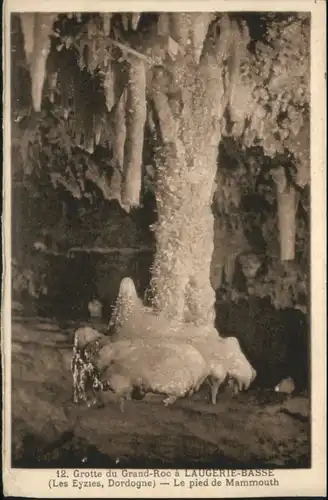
(125, 21)
(37, 27)
(28, 24)
(116, 142)
(181, 24)
(98, 128)
(201, 23)
(287, 222)
(136, 112)
(163, 23)
(119, 131)
(107, 19)
(241, 103)
(109, 87)
(135, 17)
(88, 142)
(286, 202)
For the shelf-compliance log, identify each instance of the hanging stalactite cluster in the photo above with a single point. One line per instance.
(102, 107)
(268, 107)
(246, 233)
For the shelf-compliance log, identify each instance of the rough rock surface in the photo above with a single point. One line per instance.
(174, 366)
(256, 428)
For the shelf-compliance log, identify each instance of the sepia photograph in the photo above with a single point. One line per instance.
(160, 241)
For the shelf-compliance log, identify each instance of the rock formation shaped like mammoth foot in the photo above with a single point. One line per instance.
(173, 369)
(152, 352)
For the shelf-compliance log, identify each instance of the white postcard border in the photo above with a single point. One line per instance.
(301, 482)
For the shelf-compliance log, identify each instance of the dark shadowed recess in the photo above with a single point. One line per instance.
(71, 451)
(275, 341)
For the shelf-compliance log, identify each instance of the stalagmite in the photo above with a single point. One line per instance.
(186, 172)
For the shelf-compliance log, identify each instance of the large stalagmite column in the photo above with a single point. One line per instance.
(187, 165)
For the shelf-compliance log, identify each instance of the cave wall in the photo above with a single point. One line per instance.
(75, 251)
(275, 341)
(55, 236)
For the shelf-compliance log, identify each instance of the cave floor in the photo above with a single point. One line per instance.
(258, 428)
